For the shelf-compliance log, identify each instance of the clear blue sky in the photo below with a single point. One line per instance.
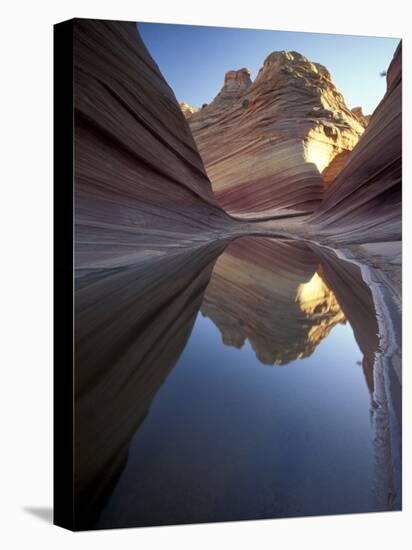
(194, 59)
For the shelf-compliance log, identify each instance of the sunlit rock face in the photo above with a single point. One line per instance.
(265, 144)
(131, 326)
(334, 168)
(363, 203)
(363, 119)
(187, 109)
(140, 185)
(272, 294)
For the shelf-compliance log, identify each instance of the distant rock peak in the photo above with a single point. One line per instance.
(235, 84)
(293, 59)
(363, 119)
(187, 109)
(237, 80)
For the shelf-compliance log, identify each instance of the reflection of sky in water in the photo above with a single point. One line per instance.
(227, 437)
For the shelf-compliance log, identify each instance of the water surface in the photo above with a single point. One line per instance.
(229, 384)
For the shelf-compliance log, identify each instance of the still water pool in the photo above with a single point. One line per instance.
(265, 405)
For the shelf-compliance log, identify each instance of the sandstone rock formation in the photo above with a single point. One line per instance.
(270, 293)
(149, 228)
(334, 168)
(235, 84)
(140, 185)
(187, 109)
(265, 144)
(364, 201)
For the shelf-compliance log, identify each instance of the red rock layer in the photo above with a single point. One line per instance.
(264, 144)
(140, 185)
(364, 201)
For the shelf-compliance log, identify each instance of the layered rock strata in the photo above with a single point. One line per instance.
(364, 201)
(140, 185)
(265, 144)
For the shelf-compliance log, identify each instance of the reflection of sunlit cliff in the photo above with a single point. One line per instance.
(270, 293)
(319, 302)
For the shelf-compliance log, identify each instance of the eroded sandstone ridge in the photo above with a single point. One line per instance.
(364, 202)
(265, 144)
(140, 184)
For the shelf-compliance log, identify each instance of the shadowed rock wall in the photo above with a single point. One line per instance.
(140, 185)
(364, 201)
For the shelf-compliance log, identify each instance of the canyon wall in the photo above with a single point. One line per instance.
(140, 185)
(364, 202)
(266, 143)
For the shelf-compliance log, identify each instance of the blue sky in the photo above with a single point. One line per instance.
(194, 59)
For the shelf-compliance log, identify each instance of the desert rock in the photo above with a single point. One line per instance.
(265, 144)
(363, 119)
(187, 109)
(364, 201)
(140, 185)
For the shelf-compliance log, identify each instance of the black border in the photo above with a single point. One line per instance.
(63, 354)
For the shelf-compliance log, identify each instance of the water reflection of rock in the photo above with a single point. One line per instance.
(356, 302)
(131, 326)
(273, 294)
(372, 312)
(285, 297)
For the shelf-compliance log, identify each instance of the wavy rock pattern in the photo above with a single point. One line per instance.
(264, 144)
(140, 184)
(142, 194)
(364, 201)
